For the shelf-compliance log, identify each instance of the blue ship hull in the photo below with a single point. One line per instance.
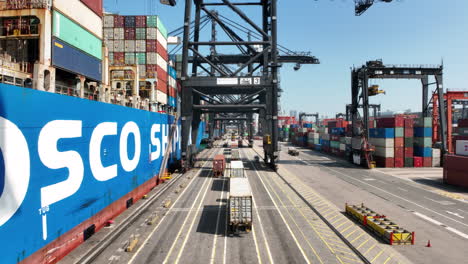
(65, 160)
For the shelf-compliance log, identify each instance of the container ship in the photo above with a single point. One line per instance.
(87, 102)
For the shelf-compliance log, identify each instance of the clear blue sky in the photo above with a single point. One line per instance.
(403, 32)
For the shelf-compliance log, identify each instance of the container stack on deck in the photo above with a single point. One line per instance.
(456, 165)
(142, 41)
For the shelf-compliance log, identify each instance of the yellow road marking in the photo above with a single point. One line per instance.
(376, 256)
(341, 224)
(368, 250)
(355, 260)
(344, 230)
(357, 237)
(362, 244)
(348, 235)
(388, 259)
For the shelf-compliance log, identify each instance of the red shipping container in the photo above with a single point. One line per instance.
(129, 34)
(400, 152)
(399, 162)
(462, 122)
(162, 86)
(390, 122)
(384, 162)
(409, 132)
(119, 21)
(418, 162)
(151, 71)
(409, 152)
(94, 5)
(219, 164)
(371, 124)
(399, 142)
(119, 58)
(151, 45)
(140, 21)
(162, 75)
(409, 123)
(162, 51)
(427, 162)
(456, 170)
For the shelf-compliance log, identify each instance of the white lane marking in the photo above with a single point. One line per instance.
(282, 217)
(191, 226)
(455, 214)
(369, 179)
(213, 252)
(462, 211)
(440, 202)
(457, 232)
(402, 189)
(427, 218)
(164, 217)
(254, 203)
(385, 191)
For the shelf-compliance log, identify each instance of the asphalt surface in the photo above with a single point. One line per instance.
(428, 208)
(298, 217)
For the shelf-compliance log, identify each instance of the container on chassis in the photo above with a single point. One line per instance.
(240, 204)
(219, 164)
(237, 169)
(235, 154)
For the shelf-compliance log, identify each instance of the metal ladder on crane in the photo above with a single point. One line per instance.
(163, 175)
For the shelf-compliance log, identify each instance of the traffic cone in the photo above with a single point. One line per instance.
(428, 243)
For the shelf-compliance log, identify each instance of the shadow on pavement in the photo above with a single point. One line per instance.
(437, 183)
(208, 219)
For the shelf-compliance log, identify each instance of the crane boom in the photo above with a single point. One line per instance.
(362, 5)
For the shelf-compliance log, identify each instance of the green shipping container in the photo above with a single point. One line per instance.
(140, 33)
(141, 58)
(151, 21)
(423, 122)
(129, 58)
(161, 28)
(425, 142)
(76, 36)
(399, 132)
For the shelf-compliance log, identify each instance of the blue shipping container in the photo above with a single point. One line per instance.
(172, 72)
(325, 143)
(339, 131)
(423, 132)
(422, 152)
(318, 147)
(382, 132)
(71, 59)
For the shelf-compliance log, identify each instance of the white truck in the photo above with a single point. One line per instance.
(240, 205)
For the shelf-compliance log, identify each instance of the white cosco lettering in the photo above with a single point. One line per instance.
(16, 156)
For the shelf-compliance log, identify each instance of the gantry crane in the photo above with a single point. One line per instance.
(244, 82)
(302, 115)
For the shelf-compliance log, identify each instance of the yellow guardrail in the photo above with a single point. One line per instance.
(166, 176)
(380, 225)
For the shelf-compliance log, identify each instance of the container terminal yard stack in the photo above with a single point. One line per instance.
(122, 141)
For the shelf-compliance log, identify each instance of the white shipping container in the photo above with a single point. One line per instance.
(110, 45)
(151, 58)
(239, 187)
(108, 21)
(382, 142)
(129, 45)
(161, 62)
(142, 71)
(436, 152)
(81, 14)
(240, 202)
(385, 152)
(119, 46)
(342, 147)
(151, 33)
(119, 33)
(108, 33)
(140, 46)
(161, 97)
(436, 162)
(161, 39)
(171, 81)
(348, 140)
(462, 147)
(356, 142)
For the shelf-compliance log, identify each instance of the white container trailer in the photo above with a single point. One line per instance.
(240, 204)
(237, 169)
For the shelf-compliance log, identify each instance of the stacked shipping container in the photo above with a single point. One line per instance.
(78, 47)
(456, 166)
(423, 142)
(142, 41)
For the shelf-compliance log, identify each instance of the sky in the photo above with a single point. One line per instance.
(414, 32)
